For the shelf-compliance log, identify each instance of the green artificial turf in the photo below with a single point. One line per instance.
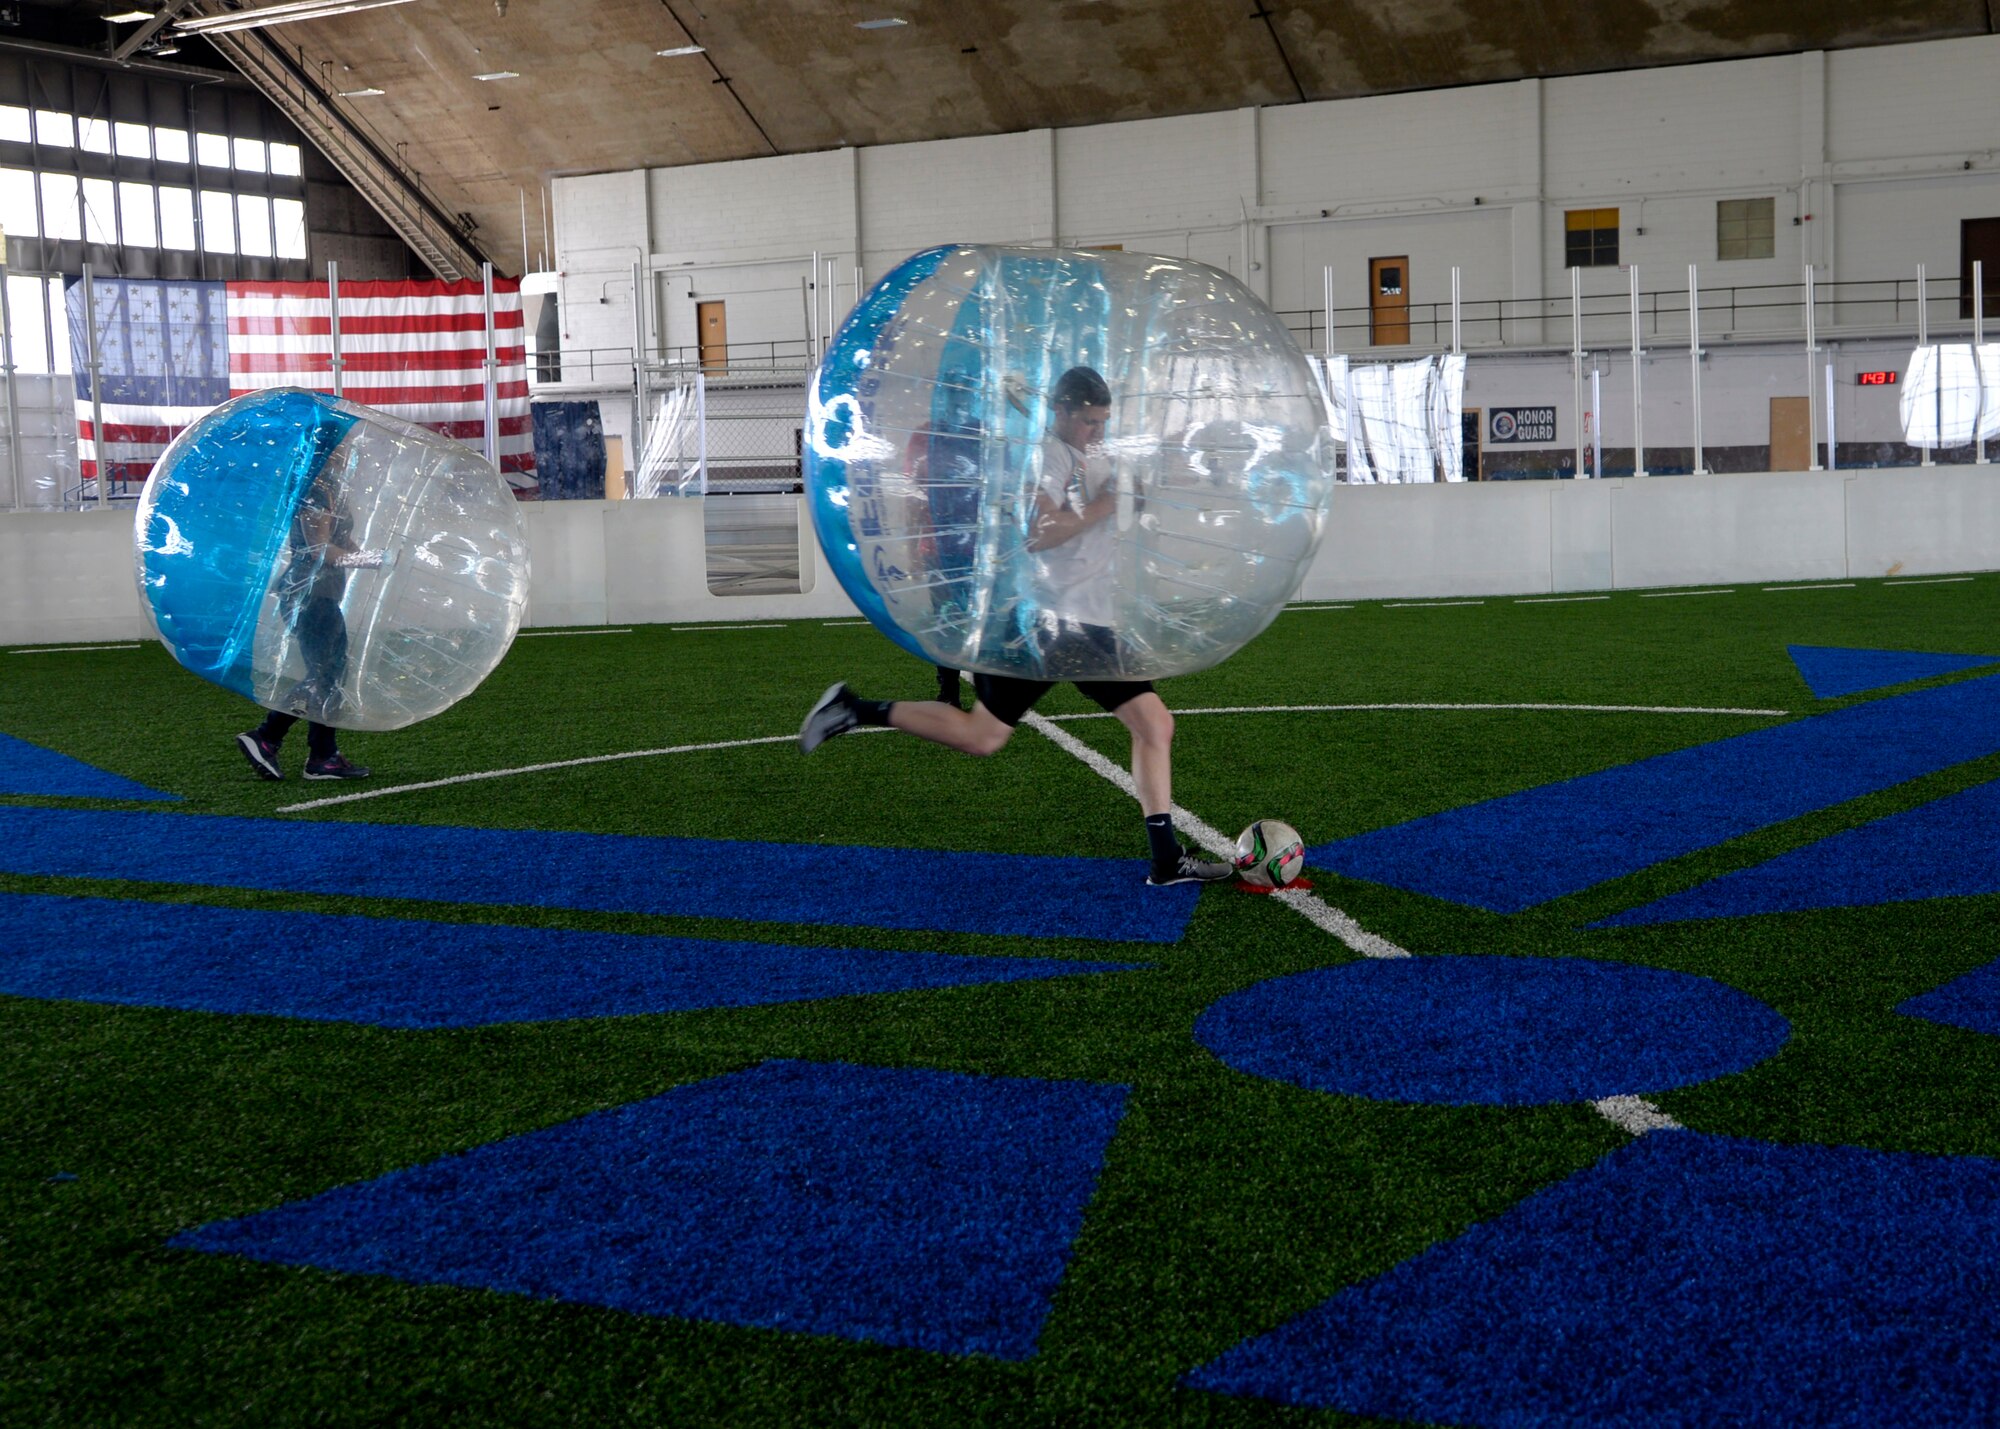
(1226, 1205)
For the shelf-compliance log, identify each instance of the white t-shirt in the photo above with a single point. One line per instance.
(1076, 577)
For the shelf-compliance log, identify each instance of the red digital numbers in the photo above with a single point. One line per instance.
(1877, 379)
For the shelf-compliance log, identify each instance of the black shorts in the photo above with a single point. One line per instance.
(1008, 697)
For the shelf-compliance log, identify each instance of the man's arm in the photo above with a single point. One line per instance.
(1055, 524)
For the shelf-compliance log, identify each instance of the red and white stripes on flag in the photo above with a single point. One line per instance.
(416, 350)
(167, 352)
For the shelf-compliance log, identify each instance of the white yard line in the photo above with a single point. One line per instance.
(71, 649)
(1428, 604)
(844, 622)
(1558, 599)
(1632, 1114)
(1328, 709)
(1828, 585)
(1670, 594)
(545, 634)
(692, 629)
(1932, 580)
(1291, 608)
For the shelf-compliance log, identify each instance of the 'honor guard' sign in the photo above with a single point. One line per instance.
(1521, 424)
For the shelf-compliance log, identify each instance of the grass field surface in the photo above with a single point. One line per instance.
(876, 1186)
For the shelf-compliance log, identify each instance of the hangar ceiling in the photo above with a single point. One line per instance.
(586, 89)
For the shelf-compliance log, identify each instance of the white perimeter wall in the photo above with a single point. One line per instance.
(66, 577)
(1868, 149)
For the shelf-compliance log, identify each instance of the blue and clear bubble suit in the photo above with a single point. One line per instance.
(929, 437)
(328, 560)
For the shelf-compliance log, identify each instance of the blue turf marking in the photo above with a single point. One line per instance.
(1518, 850)
(898, 1205)
(1832, 671)
(1683, 1279)
(394, 972)
(1971, 1002)
(30, 769)
(1490, 1030)
(919, 889)
(1946, 849)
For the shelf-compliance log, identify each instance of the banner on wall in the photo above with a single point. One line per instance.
(167, 352)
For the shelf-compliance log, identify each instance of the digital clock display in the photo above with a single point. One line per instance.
(1876, 379)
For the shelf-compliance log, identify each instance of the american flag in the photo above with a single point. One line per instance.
(169, 351)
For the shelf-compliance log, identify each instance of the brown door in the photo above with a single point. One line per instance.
(1791, 433)
(714, 334)
(1979, 238)
(1388, 301)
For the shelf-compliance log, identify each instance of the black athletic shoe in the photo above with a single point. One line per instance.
(335, 766)
(834, 714)
(262, 754)
(1188, 869)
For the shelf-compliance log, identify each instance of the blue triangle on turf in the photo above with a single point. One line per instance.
(30, 769)
(1832, 671)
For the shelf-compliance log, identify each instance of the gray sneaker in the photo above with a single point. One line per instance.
(262, 754)
(1188, 869)
(834, 714)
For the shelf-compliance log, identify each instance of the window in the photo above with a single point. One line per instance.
(133, 141)
(171, 145)
(289, 215)
(253, 215)
(212, 150)
(285, 159)
(17, 203)
(250, 155)
(1746, 228)
(31, 335)
(59, 211)
(1590, 238)
(100, 219)
(135, 215)
(59, 329)
(57, 131)
(15, 124)
(96, 135)
(218, 222)
(176, 217)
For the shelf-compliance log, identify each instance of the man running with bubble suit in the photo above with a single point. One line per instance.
(1072, 536)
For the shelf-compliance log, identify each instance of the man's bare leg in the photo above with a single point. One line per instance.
(1151, 725)
(974, 731)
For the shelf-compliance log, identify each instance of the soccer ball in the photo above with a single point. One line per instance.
(1269, 854)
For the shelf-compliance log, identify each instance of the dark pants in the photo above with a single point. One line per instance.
(320, 741)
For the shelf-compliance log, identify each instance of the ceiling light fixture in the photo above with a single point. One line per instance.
(678, 51)
(276, 15)
(499, 74)
(128, 17)
(367, 93)
(888, 24)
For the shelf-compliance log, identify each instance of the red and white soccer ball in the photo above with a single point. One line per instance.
(1269, 854)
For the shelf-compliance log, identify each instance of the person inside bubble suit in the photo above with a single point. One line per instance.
(1072, 538)
(321, 551)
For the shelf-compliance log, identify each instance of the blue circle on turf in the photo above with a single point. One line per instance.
(1490, 1031)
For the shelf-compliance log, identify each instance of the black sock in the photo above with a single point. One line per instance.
(948, 686)
(871, 711)
(1160, 836)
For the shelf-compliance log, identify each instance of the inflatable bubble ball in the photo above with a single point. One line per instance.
(1067, 465)
(330, 561)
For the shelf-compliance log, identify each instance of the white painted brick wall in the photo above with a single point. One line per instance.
(1882, 177)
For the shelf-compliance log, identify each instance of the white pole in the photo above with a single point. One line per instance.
(1694, 362)
(1812, 377)
(1832, 437)
(1353, 426)
(492, 373)
(1597, 422)
(98, 443)
(1638, 384)
(1327, 274)
(814, 337)
(1457, 338)
(1576, 360)
(13, 401)
(1937, 366)
(830, 324)
(1979, 365)
(701, 424)
(640, 396)
(333, 323)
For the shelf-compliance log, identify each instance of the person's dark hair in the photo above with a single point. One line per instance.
(1081, 387)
